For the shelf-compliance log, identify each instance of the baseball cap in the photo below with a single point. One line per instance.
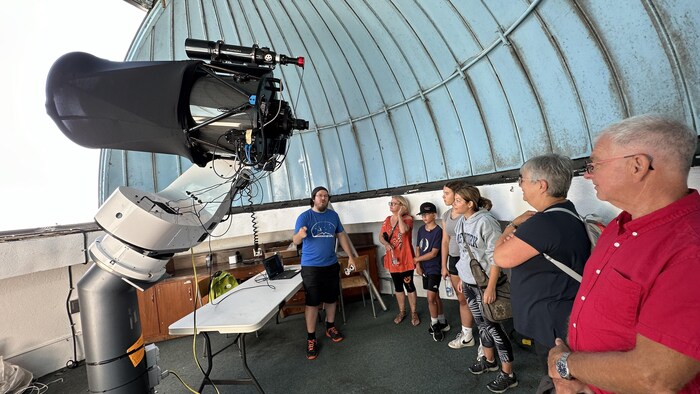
(427, 207)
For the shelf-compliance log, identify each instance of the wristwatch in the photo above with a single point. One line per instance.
(563, 366)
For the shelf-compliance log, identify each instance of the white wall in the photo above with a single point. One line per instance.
(34, 327)
(35, 330)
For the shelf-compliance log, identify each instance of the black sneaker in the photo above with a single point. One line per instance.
(502, 382)
(334, 334)
(444, 327)
(436, 332)
(311, 349)
(482, 366)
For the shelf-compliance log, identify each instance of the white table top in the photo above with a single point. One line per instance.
(244, 309)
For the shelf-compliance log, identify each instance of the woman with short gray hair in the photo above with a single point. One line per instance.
(543, 294)
(556, 170)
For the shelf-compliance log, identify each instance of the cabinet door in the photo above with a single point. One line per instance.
(175, 299)
(148, 312)
(243, 273)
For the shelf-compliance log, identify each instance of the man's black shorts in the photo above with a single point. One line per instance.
(321, 284)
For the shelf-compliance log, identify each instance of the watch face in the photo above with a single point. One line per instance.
(562, 366)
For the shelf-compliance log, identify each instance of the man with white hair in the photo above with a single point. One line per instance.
(635, 323)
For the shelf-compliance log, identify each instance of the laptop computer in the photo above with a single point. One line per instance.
(275, 268)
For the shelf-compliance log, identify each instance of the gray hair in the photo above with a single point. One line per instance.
(658, 136)
(556, 169)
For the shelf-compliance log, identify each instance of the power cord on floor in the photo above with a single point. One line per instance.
(168, 372)
(37, 387)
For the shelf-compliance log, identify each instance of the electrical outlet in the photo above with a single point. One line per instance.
(74, 306)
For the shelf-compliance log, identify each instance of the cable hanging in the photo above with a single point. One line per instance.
(253, 219)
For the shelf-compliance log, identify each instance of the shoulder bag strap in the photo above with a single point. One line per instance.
(559, 209)
(564, 268)
(559, 265)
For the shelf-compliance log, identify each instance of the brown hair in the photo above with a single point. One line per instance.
(471, 193)
(454, 185)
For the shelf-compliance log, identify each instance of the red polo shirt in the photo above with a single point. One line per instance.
(643, 278)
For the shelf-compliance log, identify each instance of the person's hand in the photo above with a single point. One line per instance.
(554, 354)
(563, 386)
(573, 386)
(459, 288)
(388, 247)
(444, 273)
(489, 295)
(523, 217)
(509, 236)
(419, 270)
(401, 212)
(302, 232)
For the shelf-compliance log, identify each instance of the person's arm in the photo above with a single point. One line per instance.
(491, 233)
(299, 236)
(345, 244)
(425, 257)
(510, 251)
(417, 260)
(383, 241)
(490, 291)
(401, 225)
(649, 367)
(444, 252)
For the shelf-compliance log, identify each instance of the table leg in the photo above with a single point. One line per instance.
(245, 363)
(210, 356)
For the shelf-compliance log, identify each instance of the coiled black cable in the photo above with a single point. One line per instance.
(253, 219)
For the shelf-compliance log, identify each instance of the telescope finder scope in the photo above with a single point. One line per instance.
(219, 51)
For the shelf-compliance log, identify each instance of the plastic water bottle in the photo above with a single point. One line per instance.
(448, 288)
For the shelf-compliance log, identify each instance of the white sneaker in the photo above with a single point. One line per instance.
(462, 340)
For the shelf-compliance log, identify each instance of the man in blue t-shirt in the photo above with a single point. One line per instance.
(316, 230)
(429, 266)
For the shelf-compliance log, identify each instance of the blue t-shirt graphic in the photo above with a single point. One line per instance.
(318, 248)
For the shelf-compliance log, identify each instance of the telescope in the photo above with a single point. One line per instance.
(226, 115)
(227, 108)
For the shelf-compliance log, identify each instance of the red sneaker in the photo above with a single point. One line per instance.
(311, 349)
(334, 334)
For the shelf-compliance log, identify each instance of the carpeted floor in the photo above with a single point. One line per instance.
(377, 356)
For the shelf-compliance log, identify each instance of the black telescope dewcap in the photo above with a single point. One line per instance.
(122, 105)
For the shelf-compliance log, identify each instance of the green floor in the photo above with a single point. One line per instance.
(377, 356)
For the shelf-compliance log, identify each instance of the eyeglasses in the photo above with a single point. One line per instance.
(591, 165)
(391, 203)
(521, 179)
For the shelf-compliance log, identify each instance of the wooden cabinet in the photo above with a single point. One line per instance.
(171, 299)
(148, 312)
(245, 272)
(164, 304)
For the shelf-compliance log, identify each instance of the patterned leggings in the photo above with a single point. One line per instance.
(490, 334)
